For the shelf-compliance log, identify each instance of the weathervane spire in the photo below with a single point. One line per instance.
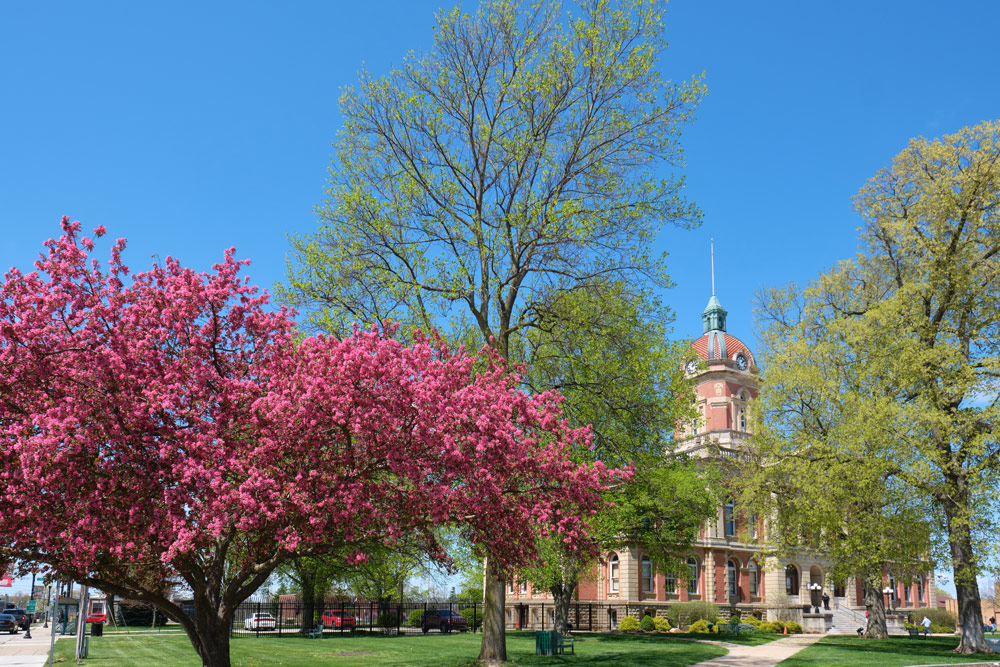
(711, 246)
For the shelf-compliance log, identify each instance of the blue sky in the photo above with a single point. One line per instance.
(191, 127)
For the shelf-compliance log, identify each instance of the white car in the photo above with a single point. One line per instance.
(260, 622)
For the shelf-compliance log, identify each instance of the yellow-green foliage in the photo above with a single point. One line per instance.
(794, 627)
(628, 624)
(661, 624)
(775, 626)
(752, 620)
(700, 626)
(646, 624)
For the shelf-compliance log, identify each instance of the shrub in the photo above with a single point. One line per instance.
(415, 618)
(387, 621)
(752, 620)
(682, 614)
(794, 627)
(628, 624)
(473, 616)
(646, 624)
(935, 628)
(661, 624)
(941, 617)
(699, 626)
(775, 626)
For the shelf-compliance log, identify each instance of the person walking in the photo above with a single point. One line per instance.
(826, 601)
(927, 625)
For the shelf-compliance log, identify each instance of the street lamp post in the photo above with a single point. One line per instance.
(814, 589)
(887, 591)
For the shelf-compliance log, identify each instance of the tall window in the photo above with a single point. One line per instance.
(791, 580)
(729, 517)
(613, 573)
(670, 582)
(692, 575)
(524, 586)
(647, 575)
(752, 526)
(694, 427)
(732, 578)
(510, 586)
(892, 585)
(754, 578)
(920, 588)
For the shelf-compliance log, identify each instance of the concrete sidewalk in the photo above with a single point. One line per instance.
(765, 655)
(34, 652)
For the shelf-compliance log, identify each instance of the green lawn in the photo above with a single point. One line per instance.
(745, 639)
(893, 652)
(430, 650)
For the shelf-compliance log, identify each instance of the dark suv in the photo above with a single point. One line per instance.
(8, 623)
(444, 620)
(20, 617)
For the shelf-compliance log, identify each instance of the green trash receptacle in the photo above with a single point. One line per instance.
(543, 642)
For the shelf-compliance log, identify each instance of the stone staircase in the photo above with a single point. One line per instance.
(846, 620)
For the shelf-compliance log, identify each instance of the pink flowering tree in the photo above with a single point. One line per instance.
(165, 426)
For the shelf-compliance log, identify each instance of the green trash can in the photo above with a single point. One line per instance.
(543, 642)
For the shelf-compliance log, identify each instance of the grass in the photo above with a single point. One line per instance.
(744, 639)
(847, 650)
(452, 650)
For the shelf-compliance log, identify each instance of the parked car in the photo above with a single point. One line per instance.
(20, 617)
(339, 620)
(97, 618)
(262, 621)
(444, 620)
(8, 623)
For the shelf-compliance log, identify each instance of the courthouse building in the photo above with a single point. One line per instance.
(725, 566)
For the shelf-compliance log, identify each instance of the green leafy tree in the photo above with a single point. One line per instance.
(912, 326)
(527, 155)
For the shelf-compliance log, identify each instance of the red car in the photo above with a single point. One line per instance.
(338, 620)
(97, 618)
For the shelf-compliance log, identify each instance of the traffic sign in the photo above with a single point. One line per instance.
(31, 607)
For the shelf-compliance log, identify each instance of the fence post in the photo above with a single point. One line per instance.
(280, 621)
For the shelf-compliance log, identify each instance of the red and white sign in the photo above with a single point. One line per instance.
(6, 581)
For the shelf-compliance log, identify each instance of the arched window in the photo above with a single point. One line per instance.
(791, 580)
(670, 582)
(692, 575)
(524, 587)
(732, 578)
(613, 573)
(647, 575)
(729, 517)
(920, 588)
(754, 573)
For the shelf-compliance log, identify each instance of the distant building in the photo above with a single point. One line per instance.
(725, 566)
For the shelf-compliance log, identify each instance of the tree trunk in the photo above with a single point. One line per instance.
(562, 596)
(965, 567)
(872, 592)
(494, 645)
(209, 633)
(308, 592)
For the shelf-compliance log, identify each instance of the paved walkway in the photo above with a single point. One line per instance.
(765, 655)
(16, 650)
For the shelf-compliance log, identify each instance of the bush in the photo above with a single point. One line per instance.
(661, 624)
(415, 618)
(682, 614)
(794, 627)
(387, 621)
(628, 624)
(140, 614)
(473, 616)
(941, 617)
(935, 628)
(699, 626)
(752, 620)
(774, 626)
(646, 624)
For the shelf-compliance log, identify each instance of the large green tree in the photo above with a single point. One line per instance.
(914, 323)
(529, 153)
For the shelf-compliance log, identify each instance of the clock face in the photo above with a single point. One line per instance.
(691, 367)
(741, 361)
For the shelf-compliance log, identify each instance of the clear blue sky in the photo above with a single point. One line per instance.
(191, 127)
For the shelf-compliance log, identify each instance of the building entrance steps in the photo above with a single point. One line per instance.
(846, 621)
(765, 655)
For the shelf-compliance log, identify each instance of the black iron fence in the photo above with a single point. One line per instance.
(271, 617)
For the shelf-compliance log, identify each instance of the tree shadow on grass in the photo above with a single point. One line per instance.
(927, 647)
